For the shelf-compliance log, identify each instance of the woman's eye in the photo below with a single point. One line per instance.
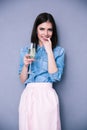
(41, 28)
(50, 30)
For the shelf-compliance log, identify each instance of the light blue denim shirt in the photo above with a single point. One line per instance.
(39, 67)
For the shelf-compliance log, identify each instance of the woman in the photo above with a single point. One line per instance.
(39, 104)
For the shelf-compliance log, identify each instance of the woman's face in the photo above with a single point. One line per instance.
(44, 31)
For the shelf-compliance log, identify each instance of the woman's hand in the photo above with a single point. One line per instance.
(27, 60)
(48, 45)
(24, 73)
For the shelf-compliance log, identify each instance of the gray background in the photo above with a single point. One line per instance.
(16, 21)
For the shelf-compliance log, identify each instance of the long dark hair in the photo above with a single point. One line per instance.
(41, 18)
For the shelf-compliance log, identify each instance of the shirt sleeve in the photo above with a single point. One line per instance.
(60, 64)
(23, 51)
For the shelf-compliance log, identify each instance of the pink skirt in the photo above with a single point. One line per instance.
(39, 108)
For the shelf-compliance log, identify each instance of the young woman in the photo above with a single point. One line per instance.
(39, 104)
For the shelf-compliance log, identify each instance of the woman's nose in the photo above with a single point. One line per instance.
(46, 33)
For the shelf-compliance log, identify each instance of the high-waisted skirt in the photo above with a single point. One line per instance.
(39, 108)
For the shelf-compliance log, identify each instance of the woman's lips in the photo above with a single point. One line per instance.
(45, 38)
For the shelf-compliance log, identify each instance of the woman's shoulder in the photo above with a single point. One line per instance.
(58, 50)
(24, 49)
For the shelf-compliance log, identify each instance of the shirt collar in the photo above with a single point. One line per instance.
(40, 47)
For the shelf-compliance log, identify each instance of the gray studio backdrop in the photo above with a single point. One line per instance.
(16, 21)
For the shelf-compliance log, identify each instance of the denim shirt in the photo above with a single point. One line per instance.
(39, 67)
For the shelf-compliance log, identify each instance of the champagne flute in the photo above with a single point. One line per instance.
(31, 51)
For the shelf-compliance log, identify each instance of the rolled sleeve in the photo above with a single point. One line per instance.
(60, 65)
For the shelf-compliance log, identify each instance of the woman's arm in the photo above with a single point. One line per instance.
(52, 67)
(55, 68)
(24, 74)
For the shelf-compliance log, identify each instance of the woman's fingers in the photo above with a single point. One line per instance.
(48, 45)
(27, 59)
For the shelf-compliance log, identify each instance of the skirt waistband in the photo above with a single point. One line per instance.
(40, 84)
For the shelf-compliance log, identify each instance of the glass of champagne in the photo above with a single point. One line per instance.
(31, 51)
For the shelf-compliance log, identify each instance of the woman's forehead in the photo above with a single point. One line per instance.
(46, 24)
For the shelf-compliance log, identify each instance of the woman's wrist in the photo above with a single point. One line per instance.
(25, 69)
(50, 53)
(26, 66)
